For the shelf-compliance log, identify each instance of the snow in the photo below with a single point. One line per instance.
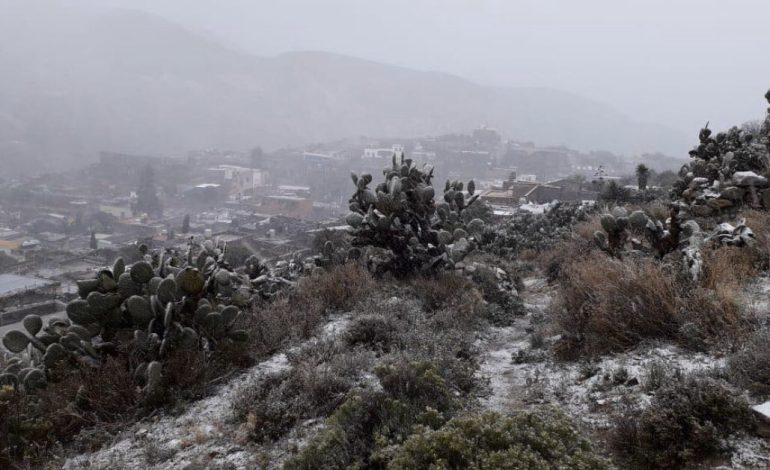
(588, 391)
(206, 434)
(763, 409)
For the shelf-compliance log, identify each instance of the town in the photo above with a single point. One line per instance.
(57, 228)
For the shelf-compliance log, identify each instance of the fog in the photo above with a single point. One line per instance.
(166, 77)
(677, 63)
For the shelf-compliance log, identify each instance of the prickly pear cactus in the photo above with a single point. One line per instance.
(164, 302)
(401, 216)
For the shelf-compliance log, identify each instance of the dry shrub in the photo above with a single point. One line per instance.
(372, 331)
(749, 366)
(656, 210)
(338, 289)
(554, 260)
(513, 269)
(607, 305)
(110, 391)
(613, 305)
(709, 316)
(728, 267)
(298, 313)
(283, 319)
(586, 230)
(445, 290)
(322, 374)
(759, 222)
(686, 422)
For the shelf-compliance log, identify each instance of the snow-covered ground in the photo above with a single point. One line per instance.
(522, 376)
(206, 435)
(520, 371)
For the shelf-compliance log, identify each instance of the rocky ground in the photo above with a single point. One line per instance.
(206, 434)
(523, 375)
(516, 362)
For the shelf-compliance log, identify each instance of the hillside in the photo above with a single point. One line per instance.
(167, 90)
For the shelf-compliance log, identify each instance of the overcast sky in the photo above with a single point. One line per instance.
(677, 62)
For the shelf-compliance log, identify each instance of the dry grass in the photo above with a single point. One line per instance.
(445, 290)
(586, 230)
(613, 305)
(338, 289)
(749, 366)
(656, 210)
(728, 267)
(554, 260)
(607, 305)
(759, 222)
(297, 315)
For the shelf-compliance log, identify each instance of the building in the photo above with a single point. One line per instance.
(290, 206)
(383, 152)
(514, 192)
(487, 137)
(237, 181)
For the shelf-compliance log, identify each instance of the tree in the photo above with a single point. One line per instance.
(615, 193)
(186, 224)
(147, 194)
(93, 243)
(642, 175)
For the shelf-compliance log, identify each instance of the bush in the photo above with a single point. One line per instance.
(371, 331)
(542, 439)
(418, 383)
(414, 393)
(315, 386)
(687, 421)
(340, 288)
(749, 367)
(491, 289)
(298, 313)
(444, 290)
(537, 232)
(608, 305)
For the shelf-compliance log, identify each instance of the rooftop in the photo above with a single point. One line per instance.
(11, 283)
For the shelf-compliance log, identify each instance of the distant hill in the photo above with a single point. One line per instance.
(73, 82)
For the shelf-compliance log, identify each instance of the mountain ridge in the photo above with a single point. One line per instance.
(132, 82)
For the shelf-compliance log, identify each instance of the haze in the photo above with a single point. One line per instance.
(167, 77)
(677, 63)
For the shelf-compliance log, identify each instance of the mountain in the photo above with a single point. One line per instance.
(76, 81)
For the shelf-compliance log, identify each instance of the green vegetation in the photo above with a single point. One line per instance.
(542, 439)
(401, 216)
(686, 422)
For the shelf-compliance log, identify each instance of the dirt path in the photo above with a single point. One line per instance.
(508, 379)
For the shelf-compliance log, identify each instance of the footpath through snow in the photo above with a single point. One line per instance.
(522, 374)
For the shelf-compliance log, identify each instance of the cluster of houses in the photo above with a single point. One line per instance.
(57, 228)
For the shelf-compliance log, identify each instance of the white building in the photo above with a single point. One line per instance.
(383, 152)
(238, 180)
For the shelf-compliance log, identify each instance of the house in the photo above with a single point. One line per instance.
(383, 152)
(10, 247)
(236, 180)
(291, 206)
(514, 192)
